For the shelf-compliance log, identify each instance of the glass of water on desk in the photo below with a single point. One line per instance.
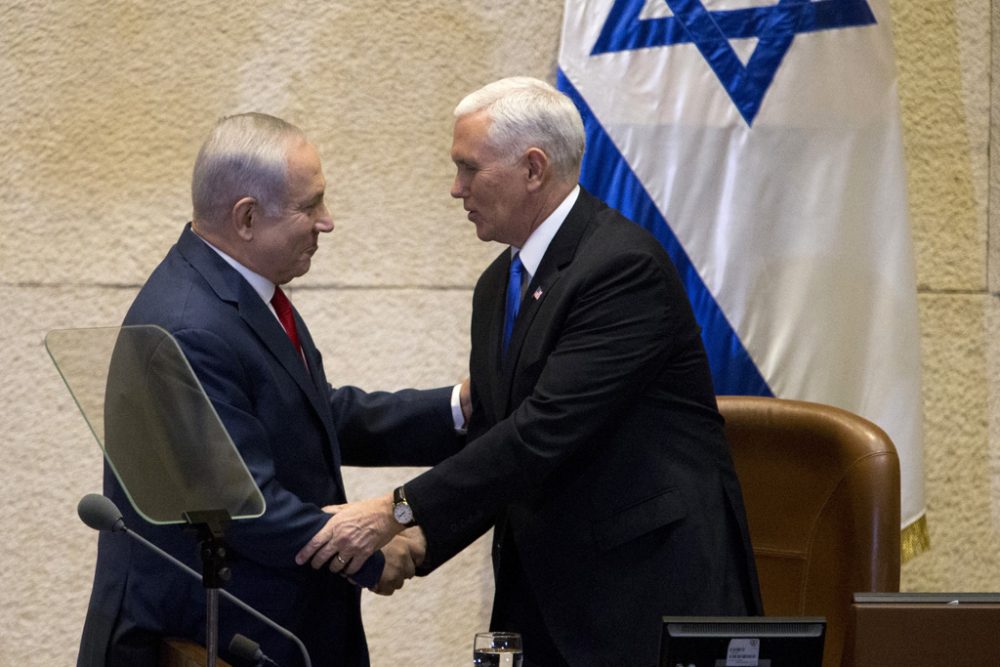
(497, 649)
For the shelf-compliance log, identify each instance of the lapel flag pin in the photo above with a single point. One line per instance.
(537, 295)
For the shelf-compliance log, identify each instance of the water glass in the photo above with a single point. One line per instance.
(497, 649)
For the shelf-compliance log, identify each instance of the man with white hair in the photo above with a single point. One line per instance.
(595, 447)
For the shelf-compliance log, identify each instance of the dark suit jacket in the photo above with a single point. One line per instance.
(294, 431)
(596, 449)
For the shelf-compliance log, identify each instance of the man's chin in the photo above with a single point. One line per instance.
(483, 233)
(300, 270)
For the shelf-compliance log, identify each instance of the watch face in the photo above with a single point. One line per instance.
(403, 513)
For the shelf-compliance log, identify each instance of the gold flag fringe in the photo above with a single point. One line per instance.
(914, 539)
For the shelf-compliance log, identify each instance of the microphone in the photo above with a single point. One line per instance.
(100, 513)
(249, 651)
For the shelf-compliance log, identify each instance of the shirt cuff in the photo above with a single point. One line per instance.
(456, 409)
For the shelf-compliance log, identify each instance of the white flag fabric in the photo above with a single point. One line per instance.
(760, 141)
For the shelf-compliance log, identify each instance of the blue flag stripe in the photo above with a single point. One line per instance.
(606, 174)
(711, 31)
(625, 30)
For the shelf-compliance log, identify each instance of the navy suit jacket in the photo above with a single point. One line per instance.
(597, 451)
(294, 431)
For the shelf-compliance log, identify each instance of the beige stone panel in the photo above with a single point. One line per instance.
(994, 181)
(102, 114)
(959, 379)
(50, 461)
(993, 407)
(389, 338)
(384, 120)
(106, 103)
(944, 94)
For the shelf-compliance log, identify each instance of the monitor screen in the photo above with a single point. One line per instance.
(740, 641)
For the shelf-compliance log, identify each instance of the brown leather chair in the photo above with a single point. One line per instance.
(821, 487)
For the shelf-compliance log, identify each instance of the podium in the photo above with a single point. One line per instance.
(184, 653)
(923, 630)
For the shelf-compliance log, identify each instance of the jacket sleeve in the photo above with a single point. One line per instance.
(409, 427)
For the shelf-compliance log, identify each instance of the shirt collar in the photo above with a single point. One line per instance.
(261, 285)
(536, 245)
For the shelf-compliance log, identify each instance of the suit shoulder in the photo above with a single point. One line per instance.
(612, 234)
(176, 296)
(497, 270)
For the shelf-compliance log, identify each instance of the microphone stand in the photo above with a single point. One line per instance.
(211, 536)
(226, 595)
(100, 513)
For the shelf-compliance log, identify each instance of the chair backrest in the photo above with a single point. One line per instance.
(821, 487)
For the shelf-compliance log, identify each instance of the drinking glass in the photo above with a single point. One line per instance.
(497, 649)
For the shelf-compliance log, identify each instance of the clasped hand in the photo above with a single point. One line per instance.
(354, 532)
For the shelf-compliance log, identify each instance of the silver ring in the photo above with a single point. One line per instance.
(338, 557)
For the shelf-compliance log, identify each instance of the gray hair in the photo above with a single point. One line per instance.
(526, 112)
(245, 155)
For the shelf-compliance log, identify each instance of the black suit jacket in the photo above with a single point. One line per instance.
(596, 449)
(294, 431)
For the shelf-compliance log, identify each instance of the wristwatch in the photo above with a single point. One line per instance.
(401, 509)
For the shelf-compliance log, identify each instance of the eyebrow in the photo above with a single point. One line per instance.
(315, 200)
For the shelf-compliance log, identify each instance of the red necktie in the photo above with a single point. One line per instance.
(283, 307)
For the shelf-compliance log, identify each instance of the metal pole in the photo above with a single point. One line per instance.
(212, 625)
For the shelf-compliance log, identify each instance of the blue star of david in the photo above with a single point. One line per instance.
(774, 26)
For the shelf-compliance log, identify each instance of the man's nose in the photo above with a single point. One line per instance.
(457, 188)
(325, 222)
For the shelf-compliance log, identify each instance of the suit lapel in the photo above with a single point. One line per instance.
(557, 257)
(489, 330)
(230, 287)
(316, 378)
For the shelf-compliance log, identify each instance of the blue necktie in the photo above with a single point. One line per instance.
(513, 299)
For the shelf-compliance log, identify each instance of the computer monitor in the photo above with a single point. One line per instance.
(741, 641)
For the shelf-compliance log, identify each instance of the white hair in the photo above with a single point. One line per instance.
(245, 155)
(526, 112)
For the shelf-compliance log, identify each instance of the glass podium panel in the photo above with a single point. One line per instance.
(159, 432)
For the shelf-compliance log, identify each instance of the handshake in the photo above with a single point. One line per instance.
(355, 531)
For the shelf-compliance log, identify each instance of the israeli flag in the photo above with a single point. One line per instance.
(759, 141)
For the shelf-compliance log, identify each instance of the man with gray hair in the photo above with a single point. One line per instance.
(259, 210)
(595, 447)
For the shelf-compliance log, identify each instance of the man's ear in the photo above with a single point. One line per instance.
(242, 217)
(538, 168)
